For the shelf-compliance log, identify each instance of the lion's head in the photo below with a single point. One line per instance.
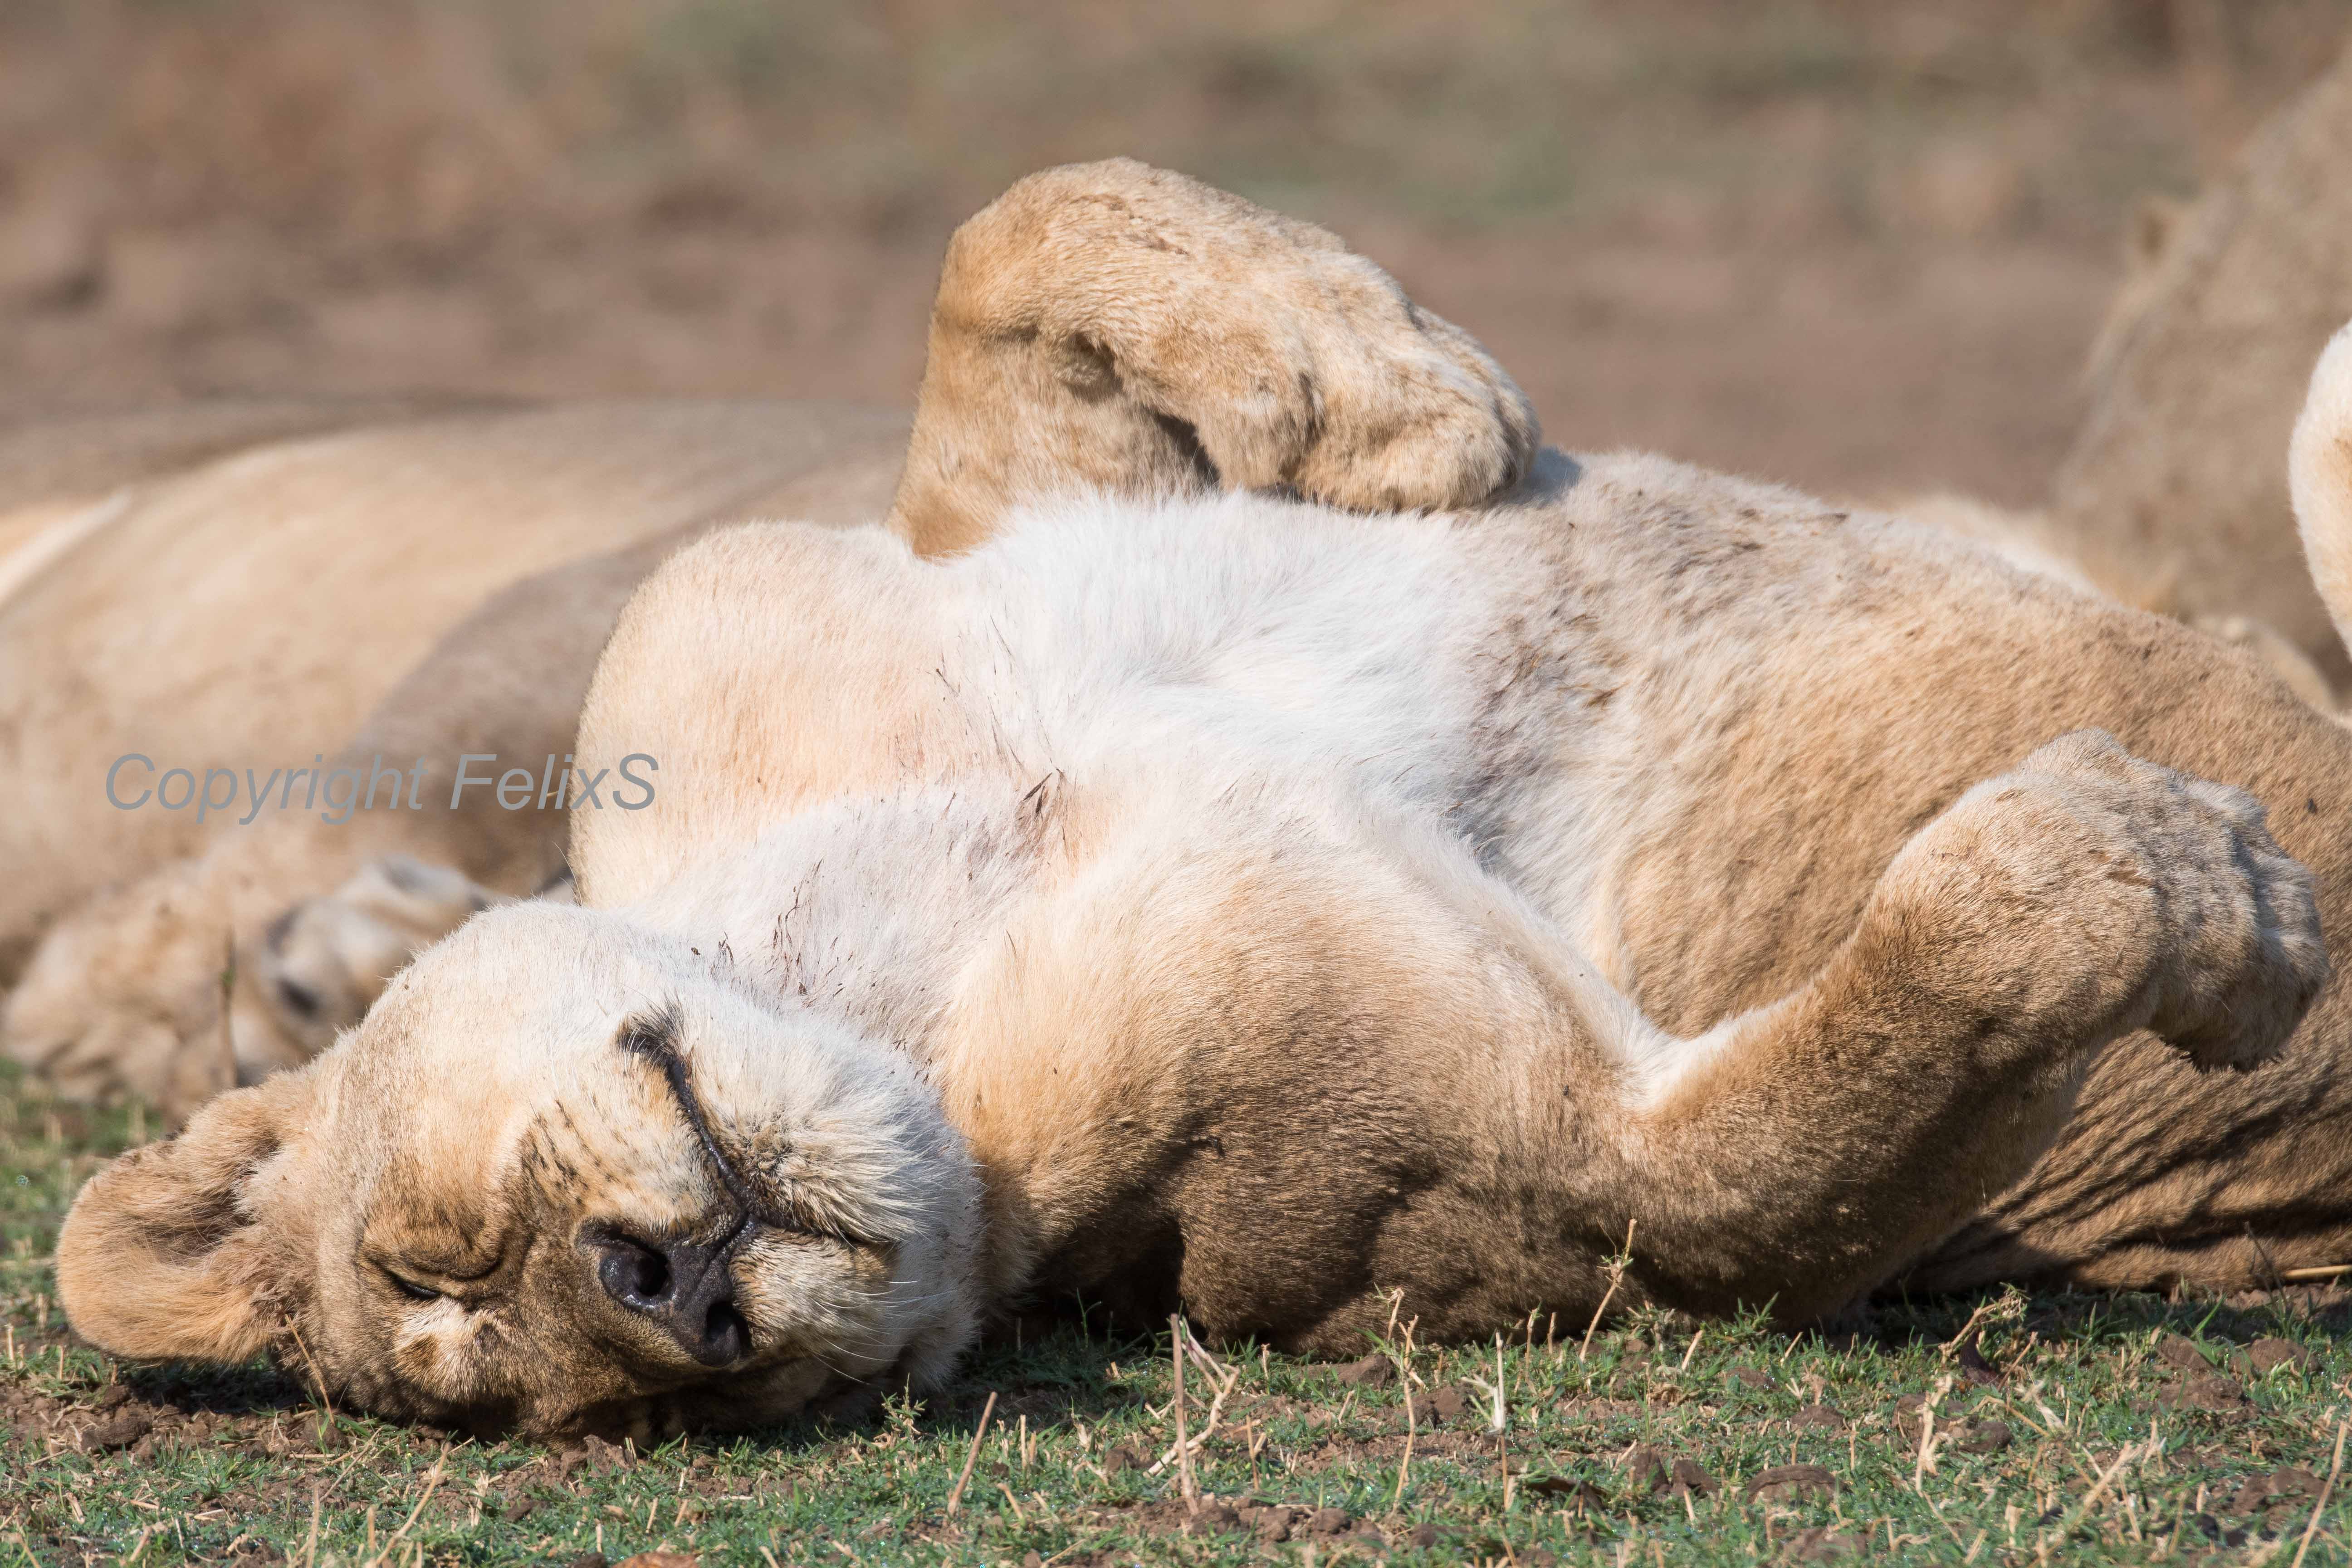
(568, 1175)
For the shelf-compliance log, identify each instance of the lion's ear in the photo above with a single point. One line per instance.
(174, 1251)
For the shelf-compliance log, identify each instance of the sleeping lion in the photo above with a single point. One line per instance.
(1188, 890)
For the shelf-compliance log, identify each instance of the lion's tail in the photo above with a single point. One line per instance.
(2319, 474)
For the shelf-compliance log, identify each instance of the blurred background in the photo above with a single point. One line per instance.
(1859, 245)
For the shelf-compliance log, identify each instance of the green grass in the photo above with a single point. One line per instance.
(2111, 1457)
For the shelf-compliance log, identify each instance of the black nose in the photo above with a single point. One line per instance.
(685, 1287)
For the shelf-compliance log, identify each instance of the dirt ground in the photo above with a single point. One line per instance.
(1860, 246)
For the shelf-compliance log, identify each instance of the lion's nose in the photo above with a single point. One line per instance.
(685, 1287)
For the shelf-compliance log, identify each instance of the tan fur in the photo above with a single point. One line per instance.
(252, 610)
(2031, 541)
(2024, 539)
(2301, 674)
(1250, 906)
(471, 553)
(2201, 369)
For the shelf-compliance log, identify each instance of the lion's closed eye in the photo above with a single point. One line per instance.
(407, 1286)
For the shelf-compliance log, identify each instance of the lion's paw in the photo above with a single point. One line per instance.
(2106, 884)
(1115, 326)
(325, 959)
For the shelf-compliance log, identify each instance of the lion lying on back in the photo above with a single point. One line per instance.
(1244, 904)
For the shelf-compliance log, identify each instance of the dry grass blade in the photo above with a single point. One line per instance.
(971, 1454)
(1617, 1266)
(1200, 1357)
(1926, 1461)
(1405, 1464)
(2007, 1306)
(1226, 1378)
(2334, 1469)
(432, 1484)
(2082, 1510)
(310, 1541)
(1190, 1487)
(317, 1376)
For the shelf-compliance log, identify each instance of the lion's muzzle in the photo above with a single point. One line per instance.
(686, 1287)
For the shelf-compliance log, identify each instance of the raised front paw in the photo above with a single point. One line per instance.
(2096, 886)
(1115, 326)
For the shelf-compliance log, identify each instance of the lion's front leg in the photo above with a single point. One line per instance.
(1119, 327)
(1810, 1149)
